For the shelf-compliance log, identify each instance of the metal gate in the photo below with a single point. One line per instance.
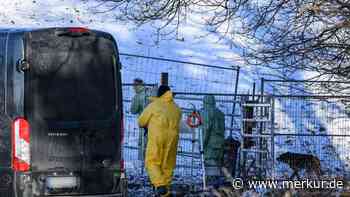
(190, 82)
(257, 148)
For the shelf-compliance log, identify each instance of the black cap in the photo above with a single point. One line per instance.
(162, 89)
(138, 81)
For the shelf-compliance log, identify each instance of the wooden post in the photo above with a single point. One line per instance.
(253, 92)
(164, 79)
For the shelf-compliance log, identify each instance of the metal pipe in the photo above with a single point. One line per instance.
(306, 134)
(262, 84)
(200, 99)
(273, 135)
(256, 105)
(145, 84)
(187, 166)
(233, 128)
(164, 79)
(272, 95)
(253, 96)
(180, 153)
(311, 96)
(235, 98)
(306, 81)
(193, 147)
(201, 150)
(262, 124)
(209, 93)
(188, 110)
(311, 135)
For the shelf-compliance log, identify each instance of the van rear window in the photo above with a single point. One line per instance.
(71, 78)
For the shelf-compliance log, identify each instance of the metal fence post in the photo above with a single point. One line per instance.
(273, 134)
(261, 124)
(164, 79)
(234, 99)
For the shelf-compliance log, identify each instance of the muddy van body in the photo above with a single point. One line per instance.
(60, 114)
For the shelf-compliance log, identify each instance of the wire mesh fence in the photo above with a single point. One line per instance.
(306, 87)
(311, 120)
(188, 157)
(188, 150)
(313, 125)
(310, 129)
(307, 118)
(183, 76)
(187, 80)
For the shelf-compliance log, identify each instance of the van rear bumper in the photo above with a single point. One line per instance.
(98, 195)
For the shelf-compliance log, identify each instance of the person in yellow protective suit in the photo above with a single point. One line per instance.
(162, 118)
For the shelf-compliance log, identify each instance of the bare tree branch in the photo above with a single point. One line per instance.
(288, 35)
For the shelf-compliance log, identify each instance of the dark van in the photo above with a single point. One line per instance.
(60, 114)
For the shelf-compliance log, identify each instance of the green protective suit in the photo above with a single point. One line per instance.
(140, 100)
(162, 117)
(213, 128)
(138, 104)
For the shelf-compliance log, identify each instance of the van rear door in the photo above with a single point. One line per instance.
(73, 107)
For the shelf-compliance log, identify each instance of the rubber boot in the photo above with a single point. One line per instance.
(163, 191)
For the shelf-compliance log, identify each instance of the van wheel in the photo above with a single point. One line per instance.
(23, 186)
(124, 187)
(27, 192)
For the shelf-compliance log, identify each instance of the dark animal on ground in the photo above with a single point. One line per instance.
(298, 161)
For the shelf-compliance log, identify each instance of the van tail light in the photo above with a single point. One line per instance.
(73, 32)
(78, 30)
(20, 145)
(122, 166)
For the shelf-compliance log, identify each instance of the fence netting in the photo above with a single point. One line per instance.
(317, 126)
(307, 120)
(190, 82)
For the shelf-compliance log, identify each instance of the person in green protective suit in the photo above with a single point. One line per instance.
(213, 128)
(138, 103)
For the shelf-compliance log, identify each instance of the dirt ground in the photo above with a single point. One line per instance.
(230, 192)
(140, 186)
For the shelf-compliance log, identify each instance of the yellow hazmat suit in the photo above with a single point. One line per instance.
(162, 118)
